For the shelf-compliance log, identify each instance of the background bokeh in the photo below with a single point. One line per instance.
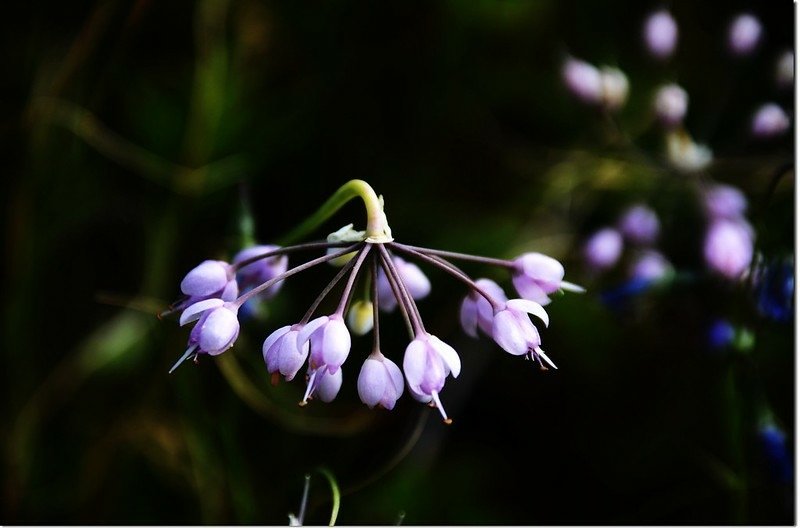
(144, 137)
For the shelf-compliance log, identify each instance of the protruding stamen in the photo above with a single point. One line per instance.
(309, 388)
(435, 397)
(183, 358)
(540, 353)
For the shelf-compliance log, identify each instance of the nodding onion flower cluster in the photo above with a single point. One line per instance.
(212, 301)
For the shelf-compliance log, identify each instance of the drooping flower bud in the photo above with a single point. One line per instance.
(744, 34)
(723, 201)
(615, 87)
(328, 385)
(426, 364)
(206, 279)
(661, 34)
(217, 325)
(360, 319)
(415, 280)
(262, 270)
(536, 275)
(670, 104)
(650, 265)
(380, 382)
(283, 353)
(513, 330)
(603, 249)
(639, 224)
(476, 312)
(582, 80)
(329, 342)
(728, 247)
(769, 121)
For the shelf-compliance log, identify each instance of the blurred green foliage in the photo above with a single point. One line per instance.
(143, 133)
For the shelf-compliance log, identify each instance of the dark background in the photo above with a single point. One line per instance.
(141, 136)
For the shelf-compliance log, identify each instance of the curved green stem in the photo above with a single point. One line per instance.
(377, 227)
(334, 492)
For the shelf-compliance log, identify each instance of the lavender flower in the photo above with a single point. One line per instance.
(329, 341)
(513, 330)
(282, 352)
(650, 265)
(426, 364)
(323, 385)
(744, 34)
(262, 270)
(728, 247)
(639, 224)
(536, 275)
(670, 104)
(661, 34)
(210, 279)
(216, 329)
(476, 312)
(414, 279)
(769, 121)
(380, 382)
(722, 201)
(583, 80)
(603, 248)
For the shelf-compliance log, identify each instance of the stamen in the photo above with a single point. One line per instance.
(435, 397)
(540, 352)
(310, 387)
(183, 358)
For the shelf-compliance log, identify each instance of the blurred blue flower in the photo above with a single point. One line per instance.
(776, 452)
(774, 287)
(721, 334)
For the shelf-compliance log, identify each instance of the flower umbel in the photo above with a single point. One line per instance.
(323, 343)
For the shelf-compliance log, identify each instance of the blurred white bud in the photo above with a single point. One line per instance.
(614, 87)
(686, 155)
(769, 121)
(744, 34)
(582, 80)
(661, 34)
(784, 69)
(670, 104)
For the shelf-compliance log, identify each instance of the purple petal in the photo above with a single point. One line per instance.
(469, 316)
(508, 334)
(219, 331)
(371, 382)
(309, 329)
(329, 385)
(335, 343)
(194, 311)
(205, 279)
(448, 355)
(530, 307)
